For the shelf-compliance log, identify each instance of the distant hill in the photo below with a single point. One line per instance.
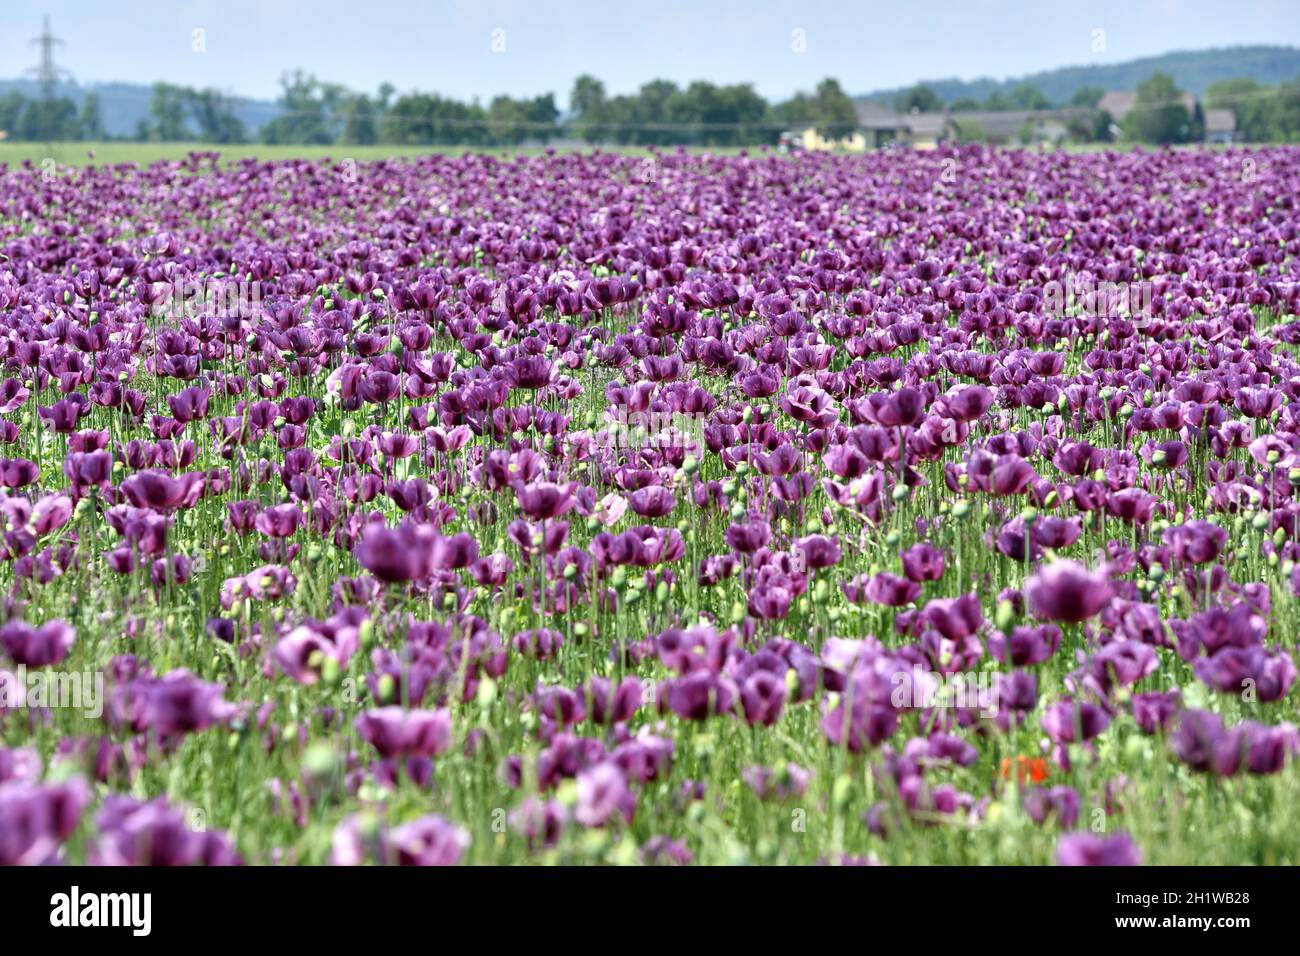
(1192, 70)
(124, 105)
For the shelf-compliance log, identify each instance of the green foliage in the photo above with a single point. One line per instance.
(1157, 115)
(920, 98)
(1264, 114)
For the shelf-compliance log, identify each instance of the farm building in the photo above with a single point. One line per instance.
(1220, 126)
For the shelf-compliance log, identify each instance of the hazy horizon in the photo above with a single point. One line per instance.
(479, 50)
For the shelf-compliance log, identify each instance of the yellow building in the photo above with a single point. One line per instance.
(811, 140)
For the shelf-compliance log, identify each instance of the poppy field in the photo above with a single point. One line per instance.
(900, 508)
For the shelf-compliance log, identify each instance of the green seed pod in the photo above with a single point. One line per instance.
(738, 612)
(841, 792)
(1005, 616)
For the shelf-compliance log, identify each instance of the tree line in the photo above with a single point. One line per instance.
(660, 113)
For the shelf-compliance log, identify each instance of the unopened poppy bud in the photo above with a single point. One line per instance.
(318, 761)
(330, 671)
(691, 465)
(738, 612)
(961, 508)
(1006, 616)
(900, 492)
(661, 592)
(841, 792)
(1259, 522)
(386, 689)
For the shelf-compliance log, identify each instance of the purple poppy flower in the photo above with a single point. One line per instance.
(1067, 591)
(1196, 542)
(395, 732)
(602, 794)
(40, 646)
(397, 555)
(1074, 721)
(1091, 849)
(891, 590)
(1269, 675)
(1155, 711)
(1026, 645)
(923, 562)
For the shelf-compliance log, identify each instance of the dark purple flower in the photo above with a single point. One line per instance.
(1067, 591)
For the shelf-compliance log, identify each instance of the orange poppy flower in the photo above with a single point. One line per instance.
(1035, 769)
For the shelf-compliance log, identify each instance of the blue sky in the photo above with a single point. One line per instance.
(448, 45)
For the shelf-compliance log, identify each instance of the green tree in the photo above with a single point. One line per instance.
(836, 115)
(359, 122)
(1026, 96)
(214, 112)
(91, 122)
(1157, 115)
(168, 107)
(306, 107)
(1087, 97)
(49, 121)
(12, 105)
(507, 121)
(589, 102)
(920, 98)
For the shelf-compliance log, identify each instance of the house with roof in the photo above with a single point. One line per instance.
(1220, 126)
(881, 125)
(1012, 127)
(1119, 103)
